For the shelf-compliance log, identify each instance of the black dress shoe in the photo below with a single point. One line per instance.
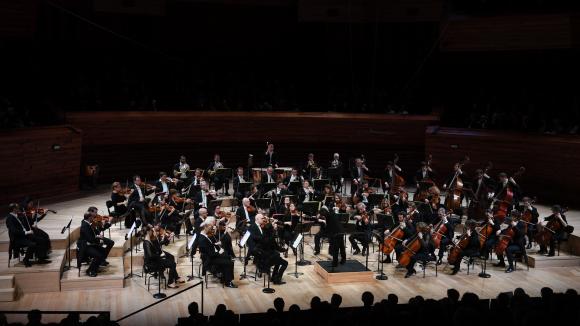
(92, 273)
(455, 271)
(509, 269)
(541, 252)
(387, 260)
(231, 285)
(27, 263)
(500, 264)
(529, 246)
(439, 261)
(105, 263)
(279, 282)
(43, 261)
(356, 252)
(410, 273)
(343, 261)
(551, 254)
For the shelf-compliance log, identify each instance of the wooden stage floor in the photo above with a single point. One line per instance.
(248, 298)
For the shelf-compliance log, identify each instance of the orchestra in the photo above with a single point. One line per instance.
(417, 225)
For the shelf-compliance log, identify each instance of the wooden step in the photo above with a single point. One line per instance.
(564, 260)
(176, 248)
(8, 294)
(6, 281)
(110, 277)
(37, 278)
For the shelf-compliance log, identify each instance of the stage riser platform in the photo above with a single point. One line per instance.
(111, 277)
(342, 275)
(563, 260)
(57, 244)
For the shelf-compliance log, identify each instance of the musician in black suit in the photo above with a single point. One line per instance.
(269, 176)
(309, 167)
(424, 173)
(335, 179)
(204, 197)
(270, 157)
(390, 171)
(517, 243)
(137, 201)
(99, 230)
(219, 181)
(507, 183)
(22, 235)
(335, 233)
(163, 185)
(362, 230)
(528, 208)
(89, 245)
(213, 258)
(256, 234)
(473, 245)
(244, 214)
(426, 252)
(447, 237)
(239, 178)
(195, 184)
(270, 253)
(357, 174)
(306, 193)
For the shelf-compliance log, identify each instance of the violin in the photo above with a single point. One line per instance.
(251, 209)
(31, 213)
(100, 220)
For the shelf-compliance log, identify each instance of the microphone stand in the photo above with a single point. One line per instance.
(382, 276)
(302, 261)
(66, 268)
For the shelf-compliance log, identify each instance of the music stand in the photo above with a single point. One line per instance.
(224, 173)
(293, 198)
(295, 243)
(328, 200)
(319, 184)
(293, 186)
(375, 199)
(66, 268)
(268, 186)
(387, 220)
(264, 203)
(244, 187)
(311, 208)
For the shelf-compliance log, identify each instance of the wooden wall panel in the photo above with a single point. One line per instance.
(551, 162)
(31, 167)
(124, 143)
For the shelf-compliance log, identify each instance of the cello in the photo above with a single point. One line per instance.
(439, 231)
(457, 248)
(544, 236)
(454, 195)
(505, 238)
(392, 239)
(411, 248)
(502, 205)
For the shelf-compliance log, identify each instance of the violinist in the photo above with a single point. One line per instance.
(335, 178)
(270, 157)
(268, 251)
(22, 235)
(358, 173)
(204, 197)
(100, 224)
(413, 214)
(362, 194)
(163, 185)
(168, 214)
(119, 199)
(155, 255)
(338, 204)
(90, 245)
(426, 251)
(529, 214)
(555, 224)
(35, 215)
(219, 180)
(390, 171)
(181, 170)
(309, 167)
(363, 229)
(245, 214)
(196, 220)
(222, 233)
(137, 198)
(212, 255)
(291, 219)
(195, 185)
(472, 248)
(447, 237)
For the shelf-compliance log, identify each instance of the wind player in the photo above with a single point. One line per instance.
(219, 181)
(335, 180)
(181, 170)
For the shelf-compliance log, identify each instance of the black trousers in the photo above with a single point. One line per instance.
(510, 251)
(168, 261)
(465, 253)
(279, 264)
(318, 238)
(336, 247)
(362, 238)
(98, 255)
(225, 266)
(420, 256)
(108, 246)
(32, 247)
(443, 246)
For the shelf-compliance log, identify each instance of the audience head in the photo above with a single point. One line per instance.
(336, 300)
(279, 304)
(367, 298)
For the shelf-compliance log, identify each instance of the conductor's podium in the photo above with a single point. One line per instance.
(349, 272)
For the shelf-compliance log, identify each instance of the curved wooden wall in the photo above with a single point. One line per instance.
(31, 167)
(124, 143)
(551, 162)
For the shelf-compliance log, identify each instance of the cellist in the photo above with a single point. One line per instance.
(408, 231)
(517, 242)
(529, 214)
(472, 248)
(557, 217)
(426, 251)
(447, 237)
(507, 187)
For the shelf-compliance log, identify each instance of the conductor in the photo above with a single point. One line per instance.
(335, 234)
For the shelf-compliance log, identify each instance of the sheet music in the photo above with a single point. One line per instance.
(297, 241)
(190, 244)
(245, 238)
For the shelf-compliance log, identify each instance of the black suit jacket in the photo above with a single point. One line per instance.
(256, 237)
(265, 177)
(134, 197)
(15, 230)
(354, 174)
(241, 215)
(270, 161)
(333, 225)
(87, 235)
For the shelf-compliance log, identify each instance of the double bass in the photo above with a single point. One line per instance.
(454, 194)
(479, 203)
(398, 185)
(426, 192)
